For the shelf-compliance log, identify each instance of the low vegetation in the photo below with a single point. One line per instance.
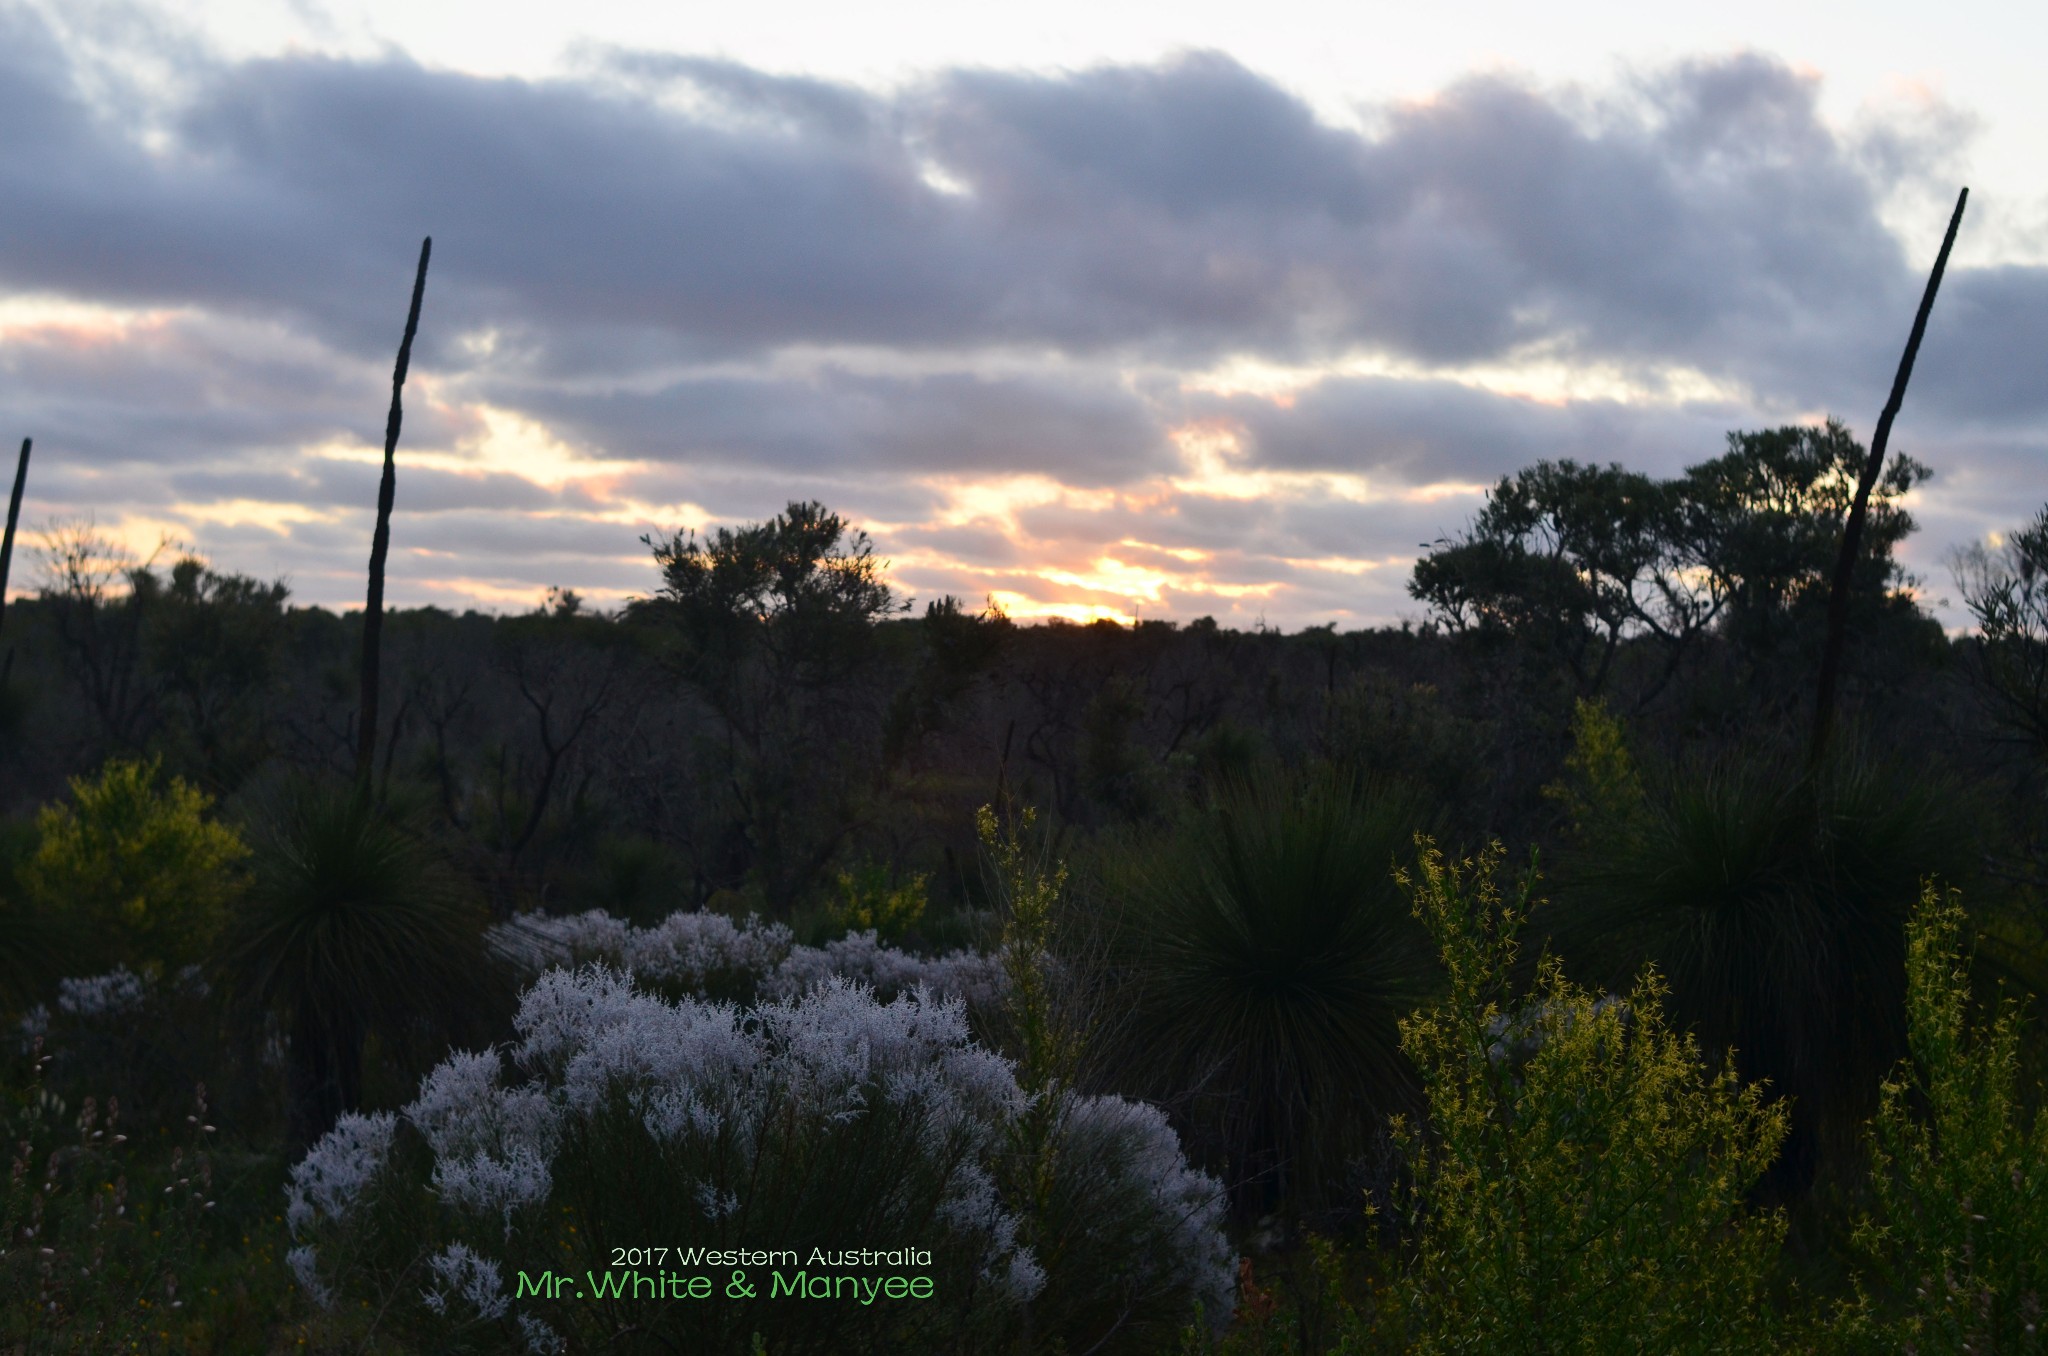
(1165, 984)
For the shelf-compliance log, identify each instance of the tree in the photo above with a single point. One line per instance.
(773, 622)
(1572, 560)
(570, 669)
(212, 642)
(95, 593)
(1576, 561)
(1765, 519)
(2007, 593)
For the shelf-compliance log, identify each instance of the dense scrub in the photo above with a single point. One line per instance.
(1214, 1034)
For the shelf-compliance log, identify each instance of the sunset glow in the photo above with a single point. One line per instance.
(1045, 334)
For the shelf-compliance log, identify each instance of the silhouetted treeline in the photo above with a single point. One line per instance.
(770, 713)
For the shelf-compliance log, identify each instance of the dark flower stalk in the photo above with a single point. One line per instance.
(380, 542)
(1852, 530)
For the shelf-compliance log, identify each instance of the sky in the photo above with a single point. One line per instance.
(1137, 310)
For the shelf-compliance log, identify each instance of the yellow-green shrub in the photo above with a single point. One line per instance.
(1959, 1170)
(867, 899)
(1582, 1184)
(138, 864)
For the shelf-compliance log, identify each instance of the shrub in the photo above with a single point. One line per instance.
(112, 1245)
(1126, 1233)
(829, 1121)
(138, 864)
(1959, 1170)
(1379, 727)
(866, 899)
(146, 1038)
(1582, 1183)
(708, 955)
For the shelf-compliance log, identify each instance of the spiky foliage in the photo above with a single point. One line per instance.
(352, 926)
(1774, 900)
(1959, 1168)
(1264, 959)
(1581, 1188)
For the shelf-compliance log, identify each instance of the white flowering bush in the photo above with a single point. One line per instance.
(1132, 1236)
(829, 1119)
(708, 955)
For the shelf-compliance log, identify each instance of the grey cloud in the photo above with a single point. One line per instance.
(729, 495)
(425, 490)
(196, 392)
(981, 546)
(1423, 432)
(617, 241)
(1085, 429)
(1186, 208)
(244, 483)
(1986, 348)
(474, 535)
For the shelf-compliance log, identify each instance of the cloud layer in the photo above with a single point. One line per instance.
(1125, 339)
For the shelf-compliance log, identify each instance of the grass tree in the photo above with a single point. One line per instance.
(1773, 898)
(13, 518)
(352, 927)
(8, 712)
(1265, 960)
(1852, 523)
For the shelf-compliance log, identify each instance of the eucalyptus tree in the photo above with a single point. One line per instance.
(1576, 563)
(773, 627)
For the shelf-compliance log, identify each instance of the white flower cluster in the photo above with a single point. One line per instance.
(1133, 1143)
(720, 1085)
(491, 1147)
(334, 1172)
(684, 948)
(119, 993)
(688, 1069)
(972, 976)
(461, 1273)
(113, 994)
(34, 1026)
(691, 950)
(305, 1265)
(541, 1339)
